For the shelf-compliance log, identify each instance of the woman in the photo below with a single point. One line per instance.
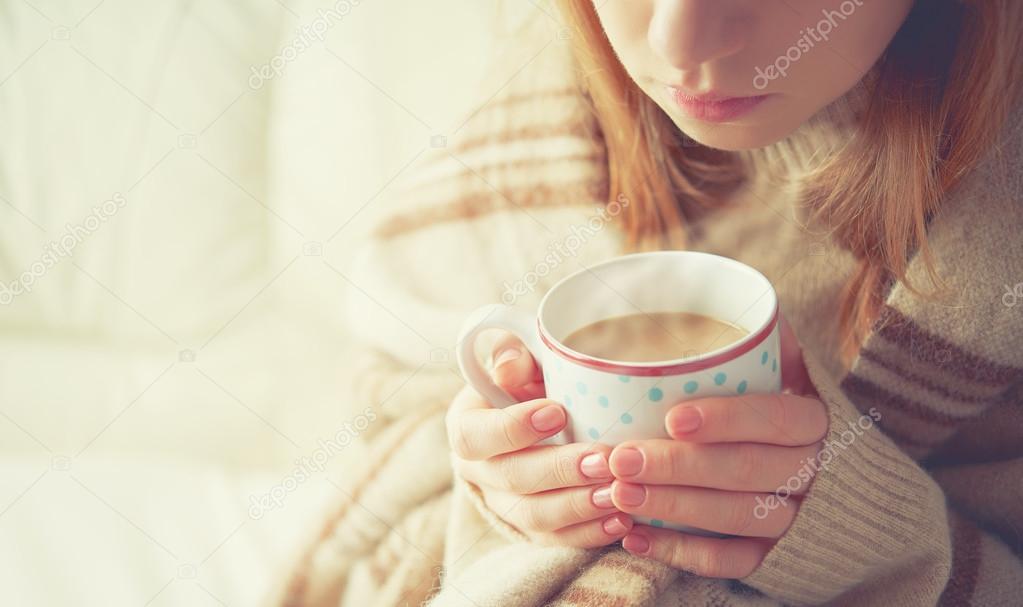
(865, 156)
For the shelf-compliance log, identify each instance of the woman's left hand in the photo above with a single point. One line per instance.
(723, 469)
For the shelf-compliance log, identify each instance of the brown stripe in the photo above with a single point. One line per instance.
(514, 99)
(540, 95)
(907, 440)
(895, 353)
(920, 380)
(620, 564)
(966, 558)
(576, 128)
(877, 396)
(486, 202)
(490, 172)
(590, 597)
(927, 347)
(919, 433)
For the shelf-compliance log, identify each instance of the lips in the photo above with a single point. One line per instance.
(713, 107)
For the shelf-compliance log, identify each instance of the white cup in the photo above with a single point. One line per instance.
(611, 401)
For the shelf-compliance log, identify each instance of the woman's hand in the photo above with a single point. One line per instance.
(557, 495)
(730, 461)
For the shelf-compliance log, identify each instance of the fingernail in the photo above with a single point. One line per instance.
(595, 465)
(631, 495)
(627, 461)
(686, 420)
(548, 418)
(615, 526)
(602, 497)
(636, 544)
(506, 355)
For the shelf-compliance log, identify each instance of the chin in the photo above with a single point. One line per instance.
(735, 137)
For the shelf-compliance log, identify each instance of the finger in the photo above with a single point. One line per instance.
(541, 468)
(794, 377)
(514, 370)
(775, 419)
(478, 431)
(592, 534)
(704, 556)
(552, 510)
(728, 512)
(728, 466)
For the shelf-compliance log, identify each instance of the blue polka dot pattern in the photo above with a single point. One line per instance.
(690, 387)
(657, 522)
(568, 401)
(774, 366)
(655, 394)
(720, 379)
(624, 379)
(763, 358)
(626, 418)
(593, 433)
(580, 388)
(603, 402)
(741, 387)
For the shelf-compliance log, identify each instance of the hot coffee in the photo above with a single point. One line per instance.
(653, 337)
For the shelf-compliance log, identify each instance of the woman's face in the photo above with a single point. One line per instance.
(742, 74)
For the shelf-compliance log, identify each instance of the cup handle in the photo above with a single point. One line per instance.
(523, 326)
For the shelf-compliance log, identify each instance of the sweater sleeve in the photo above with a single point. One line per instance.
(875, 528)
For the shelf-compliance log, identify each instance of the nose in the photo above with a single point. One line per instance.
(688, 33)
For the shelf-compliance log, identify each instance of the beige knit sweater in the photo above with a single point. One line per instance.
(924, 507)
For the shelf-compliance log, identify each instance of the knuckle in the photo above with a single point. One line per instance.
(726, 413)
(579, 507)
(709, 562)
(747, 464)
(511, 478)
(672, 462)
(529, 516)
(508, 433)
(738, 516)
(515, 476)
(591, 535)
(672, 504)
(460, 442)
(777, 411)
(564, 469)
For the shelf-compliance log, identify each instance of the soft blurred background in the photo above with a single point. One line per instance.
(188, 352)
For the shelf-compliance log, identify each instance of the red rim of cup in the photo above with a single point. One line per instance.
(662, 368)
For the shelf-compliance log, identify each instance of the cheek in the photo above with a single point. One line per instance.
(626, 25)
(836, 43)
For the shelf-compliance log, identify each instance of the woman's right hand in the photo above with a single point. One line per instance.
(554, 494)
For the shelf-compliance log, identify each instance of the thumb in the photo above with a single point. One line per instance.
(514, 370)
(794, 377)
